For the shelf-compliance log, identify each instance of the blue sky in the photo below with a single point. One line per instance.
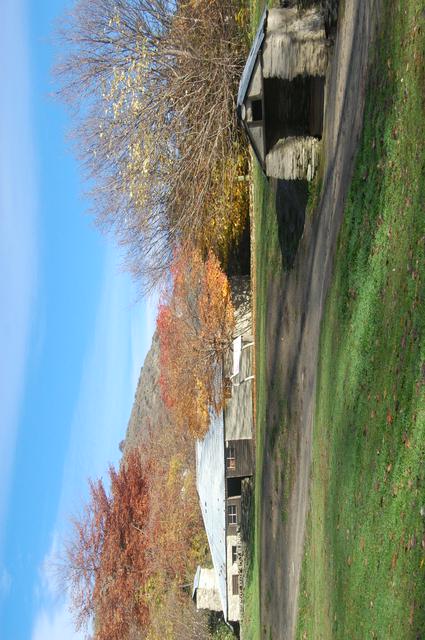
(72, 337)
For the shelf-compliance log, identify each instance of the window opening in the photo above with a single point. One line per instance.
(234, 554)
(235, 585)
(232, 516)
(230, 457)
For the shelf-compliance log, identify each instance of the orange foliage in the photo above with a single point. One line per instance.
(131, 546)
(195, 324)
(124, 566)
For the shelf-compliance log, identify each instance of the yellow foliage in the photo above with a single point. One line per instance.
(229, 205)
(175, 470)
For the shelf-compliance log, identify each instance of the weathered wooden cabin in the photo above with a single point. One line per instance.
(281, 92)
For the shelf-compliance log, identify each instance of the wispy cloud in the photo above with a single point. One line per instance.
(123, 333)
(48, 587)
(18, 231)
(55, 622)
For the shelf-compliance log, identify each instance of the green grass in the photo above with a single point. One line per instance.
(364, 565)
(256, 8)
(267, 259)
(251, 615)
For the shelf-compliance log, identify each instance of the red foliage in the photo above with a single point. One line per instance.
(106, 561)
(131, 545)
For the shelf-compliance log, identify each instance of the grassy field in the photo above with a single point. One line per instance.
(364, 565)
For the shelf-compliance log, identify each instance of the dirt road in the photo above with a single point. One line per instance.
(295, 307)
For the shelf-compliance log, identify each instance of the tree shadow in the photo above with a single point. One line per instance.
(291, 203)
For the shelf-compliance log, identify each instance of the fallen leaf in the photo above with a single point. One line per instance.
(411, 544)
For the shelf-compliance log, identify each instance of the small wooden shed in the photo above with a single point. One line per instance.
(281, 92)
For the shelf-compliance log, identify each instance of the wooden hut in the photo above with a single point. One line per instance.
(281, 92)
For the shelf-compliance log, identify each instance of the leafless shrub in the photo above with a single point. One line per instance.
(153, 84)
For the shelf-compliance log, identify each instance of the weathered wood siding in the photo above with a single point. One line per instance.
(294, 158)
(294, 108)
(244, 458)
(232, 529)
(295, 44)
(207, 593)
(238, 418)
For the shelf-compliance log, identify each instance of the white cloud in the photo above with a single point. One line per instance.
(122, 335)
(48, 586)
(18, 232)
(55, 624)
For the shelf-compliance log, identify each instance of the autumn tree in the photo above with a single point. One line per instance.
(124, 568)
(174, 524)
(132, 545)
(80, 567)
(153, 86)
(195, 324)
(104, 566)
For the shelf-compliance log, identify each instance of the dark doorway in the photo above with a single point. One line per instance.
(233, 487)
(293, 108)
(257, 110)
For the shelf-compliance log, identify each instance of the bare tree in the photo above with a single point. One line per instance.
(153, 83)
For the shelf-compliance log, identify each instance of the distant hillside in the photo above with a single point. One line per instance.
(148, 405)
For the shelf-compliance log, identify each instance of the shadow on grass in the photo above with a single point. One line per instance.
(291, 204)
(248, 523)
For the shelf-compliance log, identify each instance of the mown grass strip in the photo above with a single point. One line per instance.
(364, 565)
